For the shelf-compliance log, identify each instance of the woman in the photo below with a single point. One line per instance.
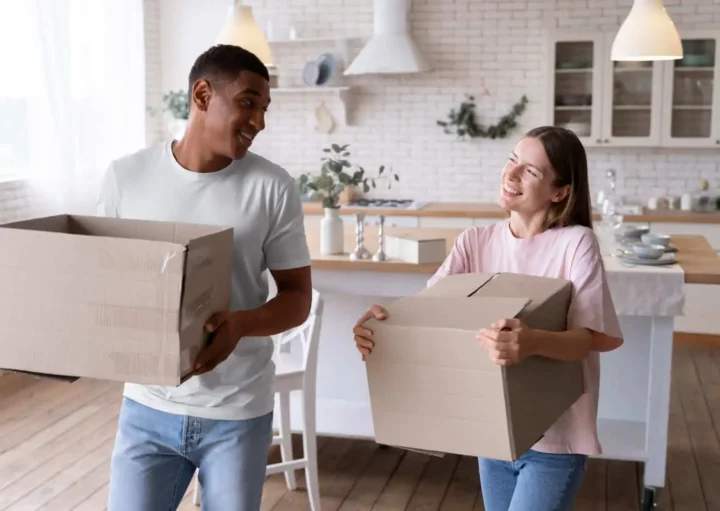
(544, 186)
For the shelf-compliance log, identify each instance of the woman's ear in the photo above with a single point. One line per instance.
(561, 193)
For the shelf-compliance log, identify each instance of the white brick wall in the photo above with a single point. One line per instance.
(495, 44)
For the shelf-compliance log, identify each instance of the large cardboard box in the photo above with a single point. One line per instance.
(109, 298)
(432, 385)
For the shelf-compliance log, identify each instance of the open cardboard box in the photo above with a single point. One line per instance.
(109, 298)
(433, 387)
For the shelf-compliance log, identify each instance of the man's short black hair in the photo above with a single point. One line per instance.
(225, 61)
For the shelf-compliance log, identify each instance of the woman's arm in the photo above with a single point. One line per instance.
(575, 344)
(510, 341)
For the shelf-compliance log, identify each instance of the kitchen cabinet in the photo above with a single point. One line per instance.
(701, 300)
(634, 104)
(691, 101)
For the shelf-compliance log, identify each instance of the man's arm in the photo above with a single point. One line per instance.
(286, 310)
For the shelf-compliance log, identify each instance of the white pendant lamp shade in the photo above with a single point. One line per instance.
(241, 30)
(648, 33)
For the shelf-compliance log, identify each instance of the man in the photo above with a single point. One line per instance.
(220, 420)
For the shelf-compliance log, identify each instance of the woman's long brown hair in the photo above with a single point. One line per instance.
(569, 161)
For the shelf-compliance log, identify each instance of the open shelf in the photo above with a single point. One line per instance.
(302, 40)
(342, 92)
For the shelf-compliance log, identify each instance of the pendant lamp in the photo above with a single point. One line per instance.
(240, 29)
(647, 33)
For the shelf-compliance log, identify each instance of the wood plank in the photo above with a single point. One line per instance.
(71, 461)
(464, 487)
(693, 339)
(330, 465)
(97, 501)
(700, 426)
(434, 483)
(622, 486)
(682, 472)
(18, 463)
(699, 261)
(62, 411)
(593, 491)
(402, 484)
(372, 481)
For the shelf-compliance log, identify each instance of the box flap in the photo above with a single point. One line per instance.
(206, 290)
(459, 285)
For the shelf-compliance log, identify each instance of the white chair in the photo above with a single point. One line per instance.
(296, 369)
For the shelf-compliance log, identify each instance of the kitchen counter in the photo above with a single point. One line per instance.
(489, 210)
(700, 263)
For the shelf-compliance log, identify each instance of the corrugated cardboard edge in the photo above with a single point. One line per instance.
(45, 376)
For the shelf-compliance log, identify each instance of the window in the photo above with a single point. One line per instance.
(19, 67)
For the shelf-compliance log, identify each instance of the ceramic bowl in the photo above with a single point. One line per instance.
(648, 251)
(631, 231)
(656, 239)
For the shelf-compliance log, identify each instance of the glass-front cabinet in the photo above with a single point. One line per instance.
(632, 101)
(691, 106)
(576, 84)
(635, 104)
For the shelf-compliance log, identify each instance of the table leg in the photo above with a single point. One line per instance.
(661, 352)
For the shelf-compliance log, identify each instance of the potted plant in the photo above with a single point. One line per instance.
(175, 104)
(337, 173)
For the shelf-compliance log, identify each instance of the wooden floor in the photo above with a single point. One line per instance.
(56, 439)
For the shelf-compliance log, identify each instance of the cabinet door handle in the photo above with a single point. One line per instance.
(606, 141)
(599, 141)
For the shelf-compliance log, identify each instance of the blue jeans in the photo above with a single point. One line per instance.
(536, 481)
(156, 454)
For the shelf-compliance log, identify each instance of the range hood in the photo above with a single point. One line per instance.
(391, 49)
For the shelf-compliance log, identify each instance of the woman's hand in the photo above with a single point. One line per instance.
(508, 341)
(363, 336)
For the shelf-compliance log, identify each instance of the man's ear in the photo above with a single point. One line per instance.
(561, 193)
(201, 93)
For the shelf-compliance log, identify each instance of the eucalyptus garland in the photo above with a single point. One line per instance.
(463, 121)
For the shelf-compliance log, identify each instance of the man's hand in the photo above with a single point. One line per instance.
(226, 328)
(508, 341)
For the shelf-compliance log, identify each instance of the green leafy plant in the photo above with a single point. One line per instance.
(176, 104)
(333, 177)
(463, 121)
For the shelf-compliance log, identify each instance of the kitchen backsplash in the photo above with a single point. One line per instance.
(496, 47)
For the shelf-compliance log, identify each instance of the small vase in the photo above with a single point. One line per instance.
(331, 232)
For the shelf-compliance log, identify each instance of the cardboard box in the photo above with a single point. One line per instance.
(109, 298)
(413, 248)
(433, 386)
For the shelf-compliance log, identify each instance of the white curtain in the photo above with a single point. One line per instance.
(83, 80)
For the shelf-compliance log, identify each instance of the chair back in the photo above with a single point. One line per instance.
(305, 337)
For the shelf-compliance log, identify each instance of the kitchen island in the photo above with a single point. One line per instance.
(635, 383)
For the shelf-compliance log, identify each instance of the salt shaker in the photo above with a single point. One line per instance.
(380, 254)
(360, 251)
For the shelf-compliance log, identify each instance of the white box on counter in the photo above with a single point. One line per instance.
(413, 248)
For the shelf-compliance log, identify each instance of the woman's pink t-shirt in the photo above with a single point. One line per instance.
(570, 253)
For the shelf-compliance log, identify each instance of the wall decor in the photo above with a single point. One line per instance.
(463, 121)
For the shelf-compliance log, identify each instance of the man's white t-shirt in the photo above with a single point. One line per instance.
(261, 201)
